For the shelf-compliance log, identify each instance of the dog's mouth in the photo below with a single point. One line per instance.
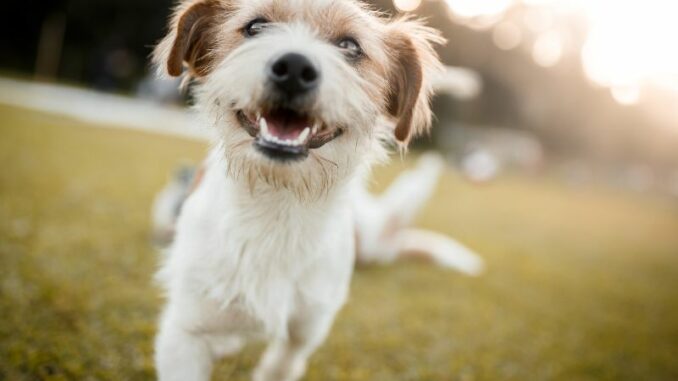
(286, 135)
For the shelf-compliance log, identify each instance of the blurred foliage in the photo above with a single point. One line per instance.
(580, 284)
(106, 42)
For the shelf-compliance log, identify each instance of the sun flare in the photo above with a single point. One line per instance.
(628, 44)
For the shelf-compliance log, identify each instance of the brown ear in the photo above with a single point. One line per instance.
(191, 39)
(406, 80)
(414, 62)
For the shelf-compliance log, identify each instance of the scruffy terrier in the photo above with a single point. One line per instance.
(306, 95)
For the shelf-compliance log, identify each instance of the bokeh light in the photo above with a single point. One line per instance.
(538, 20)
(477, 8)
(548, 49)
(407, 5)
(626, 95)
(507, 35)
(633, 45)
(626, 45)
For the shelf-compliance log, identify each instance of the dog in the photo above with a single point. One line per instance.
(306, 96)
(382, 222)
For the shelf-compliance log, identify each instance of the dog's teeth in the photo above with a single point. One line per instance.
(258, 115)
(263, 126)
(266, 135)
(303, 136)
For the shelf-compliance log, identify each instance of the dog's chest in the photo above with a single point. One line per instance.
(257, 273)
(255, 259)
(263, 260)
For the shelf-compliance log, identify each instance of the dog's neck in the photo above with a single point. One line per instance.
(266, 214)
(260, 193)
(251, 186)
(253, 193)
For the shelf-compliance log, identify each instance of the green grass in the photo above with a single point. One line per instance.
(581, 283)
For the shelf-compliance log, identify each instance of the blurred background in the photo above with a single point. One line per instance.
(559, 121)
(587, 88)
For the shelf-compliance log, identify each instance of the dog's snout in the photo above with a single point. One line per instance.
(294, 74)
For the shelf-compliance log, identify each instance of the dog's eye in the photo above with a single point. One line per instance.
(350, 47)
(255, 27)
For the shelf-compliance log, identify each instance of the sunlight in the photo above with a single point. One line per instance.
(507, 36)
(407, 5)
(548, 49)
(634, 45)
(477, 8)
(626, 95)
(628, 44)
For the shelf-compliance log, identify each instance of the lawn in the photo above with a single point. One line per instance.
(581, 283)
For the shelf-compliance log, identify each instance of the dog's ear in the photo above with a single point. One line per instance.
(191, 39)
(414, 63)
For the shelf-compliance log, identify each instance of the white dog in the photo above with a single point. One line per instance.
(306, 95)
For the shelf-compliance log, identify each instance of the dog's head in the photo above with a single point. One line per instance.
(302, 91)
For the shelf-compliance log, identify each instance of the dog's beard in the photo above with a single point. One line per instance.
(309, 180)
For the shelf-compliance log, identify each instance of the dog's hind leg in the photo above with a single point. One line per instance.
(409, 193)
(378, 218)
(383, 222)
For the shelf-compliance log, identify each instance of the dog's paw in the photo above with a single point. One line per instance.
(442, 250)
(466, 263)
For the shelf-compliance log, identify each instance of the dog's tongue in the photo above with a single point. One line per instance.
(286, 125)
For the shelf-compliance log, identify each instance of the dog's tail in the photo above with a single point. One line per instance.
(384, 222)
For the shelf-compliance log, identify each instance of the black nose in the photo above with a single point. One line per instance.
(294, 74)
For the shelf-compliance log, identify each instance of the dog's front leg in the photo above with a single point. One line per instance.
(285, 359)
(181, 355)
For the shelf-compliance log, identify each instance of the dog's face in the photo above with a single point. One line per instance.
(302, 91)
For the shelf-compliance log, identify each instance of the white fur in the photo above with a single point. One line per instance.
(252, 266)
(265, 250)
(384, 222)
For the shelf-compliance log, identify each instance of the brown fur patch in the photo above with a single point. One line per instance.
(406, 82)
(414, 62)
(193, 40)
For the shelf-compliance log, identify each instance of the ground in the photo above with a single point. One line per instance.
(581, 282)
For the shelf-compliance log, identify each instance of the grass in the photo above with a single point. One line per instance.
(581, 283)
